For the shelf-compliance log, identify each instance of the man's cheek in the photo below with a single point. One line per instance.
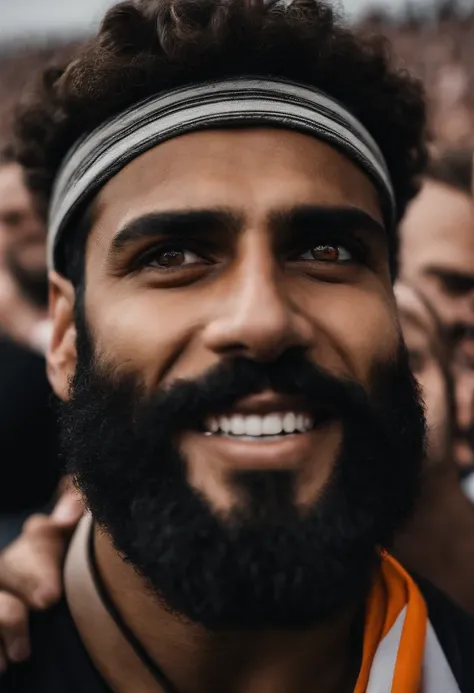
(362, 332)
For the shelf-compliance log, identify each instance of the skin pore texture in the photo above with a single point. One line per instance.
(260, 256)
(437, 255)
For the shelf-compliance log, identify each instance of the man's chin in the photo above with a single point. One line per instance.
(259, 580)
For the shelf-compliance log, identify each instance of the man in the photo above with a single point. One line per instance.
(429, 363)
(437, 254)
(28, 422)
(438, 542)
(23, 276)
(239, 413)
(28, 426)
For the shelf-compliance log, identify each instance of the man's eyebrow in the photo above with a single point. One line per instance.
(192, 222)
(169, 223)
(327, 218)
(464, 280)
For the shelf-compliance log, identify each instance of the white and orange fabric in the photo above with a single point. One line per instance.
(401, 652)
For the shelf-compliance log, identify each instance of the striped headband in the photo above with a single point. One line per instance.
(241, 102)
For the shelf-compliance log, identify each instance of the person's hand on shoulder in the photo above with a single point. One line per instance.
(30, 573)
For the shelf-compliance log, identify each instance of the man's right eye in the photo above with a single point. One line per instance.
(172, 257)
(169, 258)
(457, 285)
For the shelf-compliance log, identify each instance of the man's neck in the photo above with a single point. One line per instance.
(196, 660)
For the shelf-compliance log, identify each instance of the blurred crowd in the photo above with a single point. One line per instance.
(435, 292)
(439, 48)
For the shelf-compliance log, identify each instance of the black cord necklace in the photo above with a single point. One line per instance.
(153, 667)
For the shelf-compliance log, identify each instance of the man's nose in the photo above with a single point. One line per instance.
(257, 316)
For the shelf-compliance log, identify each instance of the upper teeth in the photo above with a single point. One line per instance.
(254, 425)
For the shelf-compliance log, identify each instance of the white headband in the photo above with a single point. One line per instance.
(240, 102)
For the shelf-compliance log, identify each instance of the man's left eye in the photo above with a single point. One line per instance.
(328, 253)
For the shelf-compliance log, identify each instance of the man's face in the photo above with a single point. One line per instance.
(437, 255)
(239, 354)
(22, 235)
(421, 337)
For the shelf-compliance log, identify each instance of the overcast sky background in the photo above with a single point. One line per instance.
(53, 17)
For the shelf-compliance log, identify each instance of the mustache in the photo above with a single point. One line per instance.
(185, 403)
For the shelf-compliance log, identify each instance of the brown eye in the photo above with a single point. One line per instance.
(171, 258)
(328, 253)
(168, 258)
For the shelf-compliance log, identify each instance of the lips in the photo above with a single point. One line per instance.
(264, 431)
(263, 417)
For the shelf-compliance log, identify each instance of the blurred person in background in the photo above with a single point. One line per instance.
(438, 543)
(23, 274)
(29, 468)
(437, 255)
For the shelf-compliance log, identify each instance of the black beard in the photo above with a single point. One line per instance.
(267, 565)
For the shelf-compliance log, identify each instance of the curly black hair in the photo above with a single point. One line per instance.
(148, 46)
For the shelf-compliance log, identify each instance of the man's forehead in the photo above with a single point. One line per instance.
(438, 232)
(14, 195)
(11, 179)
(256, 170)
(438, 212)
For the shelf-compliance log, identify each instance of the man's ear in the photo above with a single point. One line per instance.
(62, 355)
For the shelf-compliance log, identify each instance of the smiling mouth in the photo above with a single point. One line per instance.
(259, 428)
(266, 431)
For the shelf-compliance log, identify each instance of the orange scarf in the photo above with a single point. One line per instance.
(397, 623)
